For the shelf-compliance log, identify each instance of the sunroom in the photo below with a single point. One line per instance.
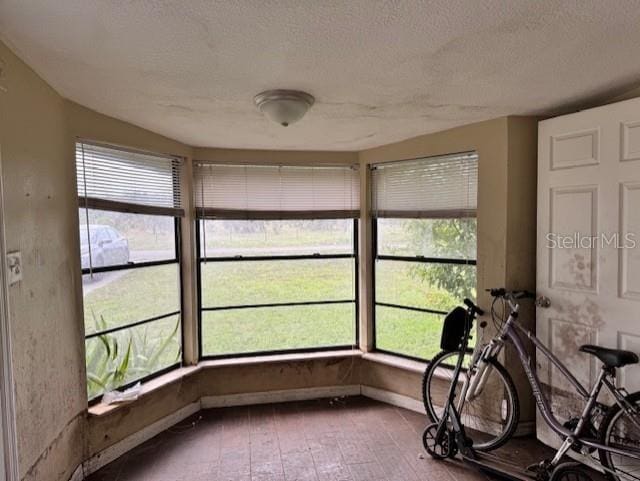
(319, 241)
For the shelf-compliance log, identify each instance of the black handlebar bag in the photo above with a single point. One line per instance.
(453, 329)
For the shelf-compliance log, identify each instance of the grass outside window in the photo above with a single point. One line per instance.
(272, 302)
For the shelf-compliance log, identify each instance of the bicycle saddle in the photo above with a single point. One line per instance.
(611, 357)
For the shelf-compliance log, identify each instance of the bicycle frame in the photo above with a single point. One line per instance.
(510, 332)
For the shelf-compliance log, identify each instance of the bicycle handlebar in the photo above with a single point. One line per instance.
(502, 292)
(475, 309)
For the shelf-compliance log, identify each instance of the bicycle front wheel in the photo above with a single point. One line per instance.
(491, 417)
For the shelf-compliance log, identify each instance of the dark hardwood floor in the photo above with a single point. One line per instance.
(352, 439)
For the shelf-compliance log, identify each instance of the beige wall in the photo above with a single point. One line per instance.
(41, 222)
(507, 163)
(520, 271)
(37, 133)
(274, 156)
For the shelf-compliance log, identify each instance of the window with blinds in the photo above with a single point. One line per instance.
(118, 179)
(424, 235)
(129, 204)
(433, 187)
(277, 257)
(264, 192)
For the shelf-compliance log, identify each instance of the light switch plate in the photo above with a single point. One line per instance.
(14, 265)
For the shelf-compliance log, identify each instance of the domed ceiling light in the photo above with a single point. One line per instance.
(284, 106)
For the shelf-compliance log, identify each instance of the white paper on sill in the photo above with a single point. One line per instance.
(114, 397)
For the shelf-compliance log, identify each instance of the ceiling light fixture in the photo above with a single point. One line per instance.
(284, 106)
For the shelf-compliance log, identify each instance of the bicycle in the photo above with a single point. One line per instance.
(479, 380)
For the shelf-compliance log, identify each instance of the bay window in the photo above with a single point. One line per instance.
(424, 247)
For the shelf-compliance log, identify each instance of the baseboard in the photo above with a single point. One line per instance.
(286, 395)
(113, 452)
(395, 399)
(78, 474)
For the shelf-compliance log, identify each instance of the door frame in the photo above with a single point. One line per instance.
(7, 399)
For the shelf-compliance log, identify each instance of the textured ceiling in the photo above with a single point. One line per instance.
(381, 71)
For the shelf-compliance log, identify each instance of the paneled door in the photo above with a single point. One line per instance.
(588, 245)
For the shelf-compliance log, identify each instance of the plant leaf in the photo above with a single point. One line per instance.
(121, 371)
(163, 346)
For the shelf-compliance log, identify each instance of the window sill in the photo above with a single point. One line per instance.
(274, 358)
(405, 364)
(396, 361)
(100, 409)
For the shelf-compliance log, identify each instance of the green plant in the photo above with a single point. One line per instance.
(452, 238)
(109, 366)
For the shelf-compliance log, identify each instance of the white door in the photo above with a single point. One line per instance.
(588, 225)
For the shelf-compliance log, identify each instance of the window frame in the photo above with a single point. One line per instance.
(200, 309)
(375, 256)
(141, 265)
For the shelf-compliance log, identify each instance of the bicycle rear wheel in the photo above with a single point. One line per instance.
(619, 430)
(491, 418)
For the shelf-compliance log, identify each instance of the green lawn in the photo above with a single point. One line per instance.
(144, 293)
(277, 234)
(412, 333)
(278, 328)
(259, 282)
(123, 297)
(130, 296)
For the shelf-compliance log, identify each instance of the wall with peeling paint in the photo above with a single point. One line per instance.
(41, 222)
(38, 129)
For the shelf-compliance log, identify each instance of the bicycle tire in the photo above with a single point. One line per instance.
(604, 432)
(511, 395)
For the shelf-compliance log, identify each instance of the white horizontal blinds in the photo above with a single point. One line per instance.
(113, 178)
(276, 191)
(434, 187)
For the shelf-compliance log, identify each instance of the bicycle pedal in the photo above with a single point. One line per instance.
(539, 466)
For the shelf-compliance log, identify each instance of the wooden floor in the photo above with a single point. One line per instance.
(352, 439)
